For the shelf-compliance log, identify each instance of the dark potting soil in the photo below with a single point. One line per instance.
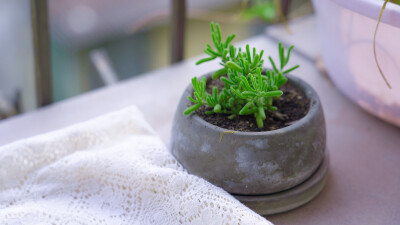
(292, 106)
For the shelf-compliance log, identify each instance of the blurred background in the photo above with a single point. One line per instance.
(94, 43)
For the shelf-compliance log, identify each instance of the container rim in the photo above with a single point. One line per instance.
(372, 8)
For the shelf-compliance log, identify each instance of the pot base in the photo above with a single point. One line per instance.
(292, 198)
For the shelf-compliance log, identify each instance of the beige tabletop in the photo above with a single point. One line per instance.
(363, 186)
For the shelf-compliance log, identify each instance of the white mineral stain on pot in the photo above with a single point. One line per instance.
(269, 167)
(300, 163)
(298, 144)
(258, 143)
(316, 144)
(277, 178)
(230, 183)
(182, 140)
(205, 147)
(256, 172)
(246, 164)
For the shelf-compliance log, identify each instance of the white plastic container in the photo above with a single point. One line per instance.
(347, 29)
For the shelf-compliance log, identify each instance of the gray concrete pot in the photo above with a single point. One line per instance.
(251, 163)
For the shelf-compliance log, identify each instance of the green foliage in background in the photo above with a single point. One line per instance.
(263, 9)
(247, 91)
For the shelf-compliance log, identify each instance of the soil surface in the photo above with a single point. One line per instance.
(292, 106)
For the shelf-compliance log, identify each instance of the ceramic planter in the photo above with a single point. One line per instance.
(251, 163)
(347, 30)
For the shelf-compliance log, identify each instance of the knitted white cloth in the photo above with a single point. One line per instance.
(109, 170)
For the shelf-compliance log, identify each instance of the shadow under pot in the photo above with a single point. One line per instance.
(256, 164)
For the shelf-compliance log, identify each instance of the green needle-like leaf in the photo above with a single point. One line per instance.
(219, 72)
(246, 84)
(215, 92)
(272, 63)
(261, 54)
(281, 54)
(249, 94)
(237, 92)
(291, 69)
(211, 53)
(226, 80)
(245, 108)
(272, 93)
(191, 99)
(232, 51)
(288, 55)
(261, 112)
(205, 60)
(191, 109)
(259, 121)
(217, 108)
(256, 59)
(233, 66)
(248, 53)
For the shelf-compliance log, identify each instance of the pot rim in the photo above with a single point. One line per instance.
(372, 8)
(315, 104)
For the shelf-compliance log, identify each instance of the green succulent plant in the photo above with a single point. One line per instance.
(247, 89)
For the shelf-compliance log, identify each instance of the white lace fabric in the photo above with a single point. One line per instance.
(110, 170)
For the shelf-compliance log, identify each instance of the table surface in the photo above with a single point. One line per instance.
(363, 186)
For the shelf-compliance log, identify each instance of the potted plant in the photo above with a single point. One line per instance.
(258, 133)
(348, 52)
